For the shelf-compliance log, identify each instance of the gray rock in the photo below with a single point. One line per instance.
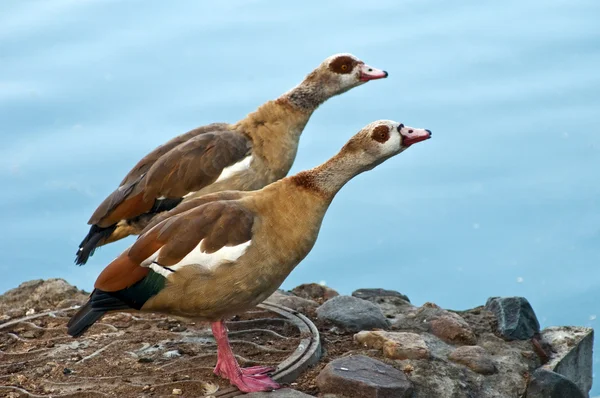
(395, 309)
(363, 377)
(295, 303)
(516, 319)
(572, 353)
(366, 294)
(283, 393)
(352, 314)
(548, 384)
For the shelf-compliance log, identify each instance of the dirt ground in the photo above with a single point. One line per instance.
(128, 356)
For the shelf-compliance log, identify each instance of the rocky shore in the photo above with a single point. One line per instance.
(375, 343)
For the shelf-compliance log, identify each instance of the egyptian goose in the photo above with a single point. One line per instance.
(232, 251)
(247, 155)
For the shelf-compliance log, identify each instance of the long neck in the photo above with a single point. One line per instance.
(328, 178)
(308, 95)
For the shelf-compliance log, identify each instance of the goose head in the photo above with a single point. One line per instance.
(381, 140)
(336, 75)
(342, 72)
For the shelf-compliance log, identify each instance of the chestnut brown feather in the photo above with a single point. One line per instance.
(147, 161)
(193, 203)
(195, 164)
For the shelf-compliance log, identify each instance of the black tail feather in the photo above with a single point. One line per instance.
(99, 303)
(166, 204)
(88, 245)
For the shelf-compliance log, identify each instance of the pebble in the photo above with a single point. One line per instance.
(452, 329)
(475, 358)
(177, 391)
(171, 354)
(395, 345)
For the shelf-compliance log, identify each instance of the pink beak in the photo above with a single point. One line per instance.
(369, 73)
(411, 135)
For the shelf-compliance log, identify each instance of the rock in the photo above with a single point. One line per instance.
(452, 329)
(394, 305)
(394, 308)
(283, 393)
(352, 314)
(314, 291)
(516, 319)
(547, 384)
(37, 296)
(293, 302)
(363, 377)
(366, 294)
(475, 358)
(171, 354)
(448, 326)
(572, 355)
(395, 345)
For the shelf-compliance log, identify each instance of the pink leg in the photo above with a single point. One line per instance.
(247, 380)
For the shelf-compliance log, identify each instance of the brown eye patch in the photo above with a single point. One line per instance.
(343, 64)
(381, 134)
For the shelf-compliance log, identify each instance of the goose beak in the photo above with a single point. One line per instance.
(412, 135)
(369, 73)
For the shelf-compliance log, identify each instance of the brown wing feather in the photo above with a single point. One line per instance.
(217, 224)
(184, 168)
(147, 161)
(195, 164)
(192, 203)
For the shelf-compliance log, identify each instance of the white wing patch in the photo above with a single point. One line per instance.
(196, 256)
(160, 270)
(227, 172)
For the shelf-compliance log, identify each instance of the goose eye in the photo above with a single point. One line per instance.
(344, 67)
(381, 134)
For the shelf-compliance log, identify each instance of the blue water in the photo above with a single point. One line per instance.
(503, 201)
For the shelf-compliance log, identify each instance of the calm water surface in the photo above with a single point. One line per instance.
(503, 201)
